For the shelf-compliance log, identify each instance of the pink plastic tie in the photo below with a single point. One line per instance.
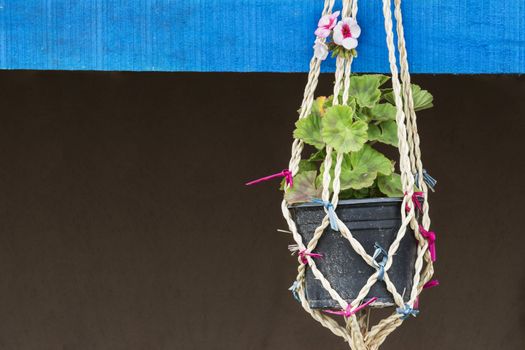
(303, 254)
(415, 199)
(287, 174)
(431, 238)
(349, 311)
(430, 284)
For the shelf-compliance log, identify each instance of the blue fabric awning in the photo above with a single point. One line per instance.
(443, 36)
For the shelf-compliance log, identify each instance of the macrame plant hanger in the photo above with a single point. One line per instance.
(356, 330)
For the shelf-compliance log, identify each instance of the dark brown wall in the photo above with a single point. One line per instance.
(124, 223)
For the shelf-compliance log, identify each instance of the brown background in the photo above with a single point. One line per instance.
(124, 223)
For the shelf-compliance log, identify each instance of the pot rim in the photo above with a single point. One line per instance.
(375, 200)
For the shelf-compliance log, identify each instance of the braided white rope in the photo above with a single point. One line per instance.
(420, 278)
(297, 147)
(308, 96)
(356, 332)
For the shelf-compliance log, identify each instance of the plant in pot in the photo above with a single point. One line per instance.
(370, 197)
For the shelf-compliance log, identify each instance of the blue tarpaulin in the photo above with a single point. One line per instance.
(443, 36)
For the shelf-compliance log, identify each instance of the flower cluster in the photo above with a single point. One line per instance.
(344, 36)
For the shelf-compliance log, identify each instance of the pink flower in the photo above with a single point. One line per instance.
(326, 24)
(346, 33)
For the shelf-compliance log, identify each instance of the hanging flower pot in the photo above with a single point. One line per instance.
(359, 218)
(370, 192)
(374, 223)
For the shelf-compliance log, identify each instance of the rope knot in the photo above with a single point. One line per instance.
(331, 212)
(429, 180)
(416, 197)
(286, 173)
(406, 311)
(349, 311)
(303, 254)
(431, 239)
(380, 265)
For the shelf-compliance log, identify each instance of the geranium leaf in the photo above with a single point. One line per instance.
(390, 185)
(363, 114)
(385, 132)
(365, 89)
(309, 130)
(340, 131)
(422, 98)
(382, 78)
(365, 165)
(383, 112)
(362, 193)
(374, 132)
(318, 156)
(303, 189)
(306, 165)
(389, 133)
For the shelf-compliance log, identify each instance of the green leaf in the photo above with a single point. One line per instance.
(360, 169)
(390, 185)
(374, 190)
(362, 193)
(341, 132)
(386, 93)
(351, 102)
(365, 89)
(382, 78)
(374, 132)
(422, 98)
(303, 189)
(363, 114)
(306, 165)
(329, 102)
(318, 156)
(346, 194)
(385, 132)
(389, 133)
(309, 130)
(383, 112)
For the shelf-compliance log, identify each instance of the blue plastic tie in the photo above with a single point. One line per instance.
(293, 289)
(407, 311)
(429, 180)
(380, 265)
(331, 212)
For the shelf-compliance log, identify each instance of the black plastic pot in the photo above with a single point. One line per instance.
(372, 220)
